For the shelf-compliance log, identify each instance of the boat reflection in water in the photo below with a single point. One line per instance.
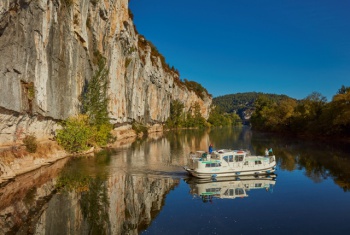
(229, 187)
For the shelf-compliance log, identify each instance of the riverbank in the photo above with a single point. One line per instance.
(15, 160)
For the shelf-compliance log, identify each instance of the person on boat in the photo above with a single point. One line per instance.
(270, 152)
(210, 148)
(266, 152)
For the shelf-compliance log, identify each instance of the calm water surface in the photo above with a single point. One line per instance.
(142, 189)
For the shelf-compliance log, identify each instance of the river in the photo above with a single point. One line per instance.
(142, 188)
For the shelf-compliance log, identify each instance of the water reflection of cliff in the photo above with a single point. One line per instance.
(23, 200)
(121, 204)
(85, 198)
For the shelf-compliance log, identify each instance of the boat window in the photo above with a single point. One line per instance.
(239, 158)
(231, 158)
(229, 192)
(257, 162)
(232, 192)
(258, 185)
(215, 164)
(239, 191)
(228, 158)
(246, 163)
(213, 190)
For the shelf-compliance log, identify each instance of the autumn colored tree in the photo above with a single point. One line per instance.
(341, 104)
(261, 118)
(312, 115)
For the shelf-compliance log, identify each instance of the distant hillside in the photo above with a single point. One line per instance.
(241, 103)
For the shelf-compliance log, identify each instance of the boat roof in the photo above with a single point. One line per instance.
(229, 151)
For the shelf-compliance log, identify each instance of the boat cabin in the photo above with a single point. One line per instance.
(227, 162)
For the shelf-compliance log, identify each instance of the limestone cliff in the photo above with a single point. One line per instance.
(49, 51)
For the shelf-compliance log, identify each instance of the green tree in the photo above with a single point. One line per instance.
(341, 103)
(343, 89)
(335, 116)
(218, 118)
(273, 115)
(263, 109)
(176, 113)
(93, 127)
(284, 111)
(199, 120)
(307, 116)
(95, 99)
(76, 134)
(236, 120)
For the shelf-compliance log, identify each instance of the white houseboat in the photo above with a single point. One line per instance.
(226, 162)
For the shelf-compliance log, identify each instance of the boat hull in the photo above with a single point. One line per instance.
(263, 171)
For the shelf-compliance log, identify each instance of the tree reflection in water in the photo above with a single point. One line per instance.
(113, 202)
(90, 183)
(320, 159)
(95, 205)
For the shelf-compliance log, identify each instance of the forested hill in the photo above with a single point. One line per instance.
(311, 116)
(242, 103)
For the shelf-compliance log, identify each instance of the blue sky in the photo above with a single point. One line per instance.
(292, 47)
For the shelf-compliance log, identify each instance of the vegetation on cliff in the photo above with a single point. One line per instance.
(92, 127)
(143, 43)
(31, 143)
(312, 115)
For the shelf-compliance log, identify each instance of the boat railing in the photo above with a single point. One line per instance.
(202, 156)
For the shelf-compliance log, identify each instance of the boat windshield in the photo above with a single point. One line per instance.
(239, 158)
(228, 158)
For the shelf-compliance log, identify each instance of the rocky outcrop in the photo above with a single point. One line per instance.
(16, 160)
(50, 50)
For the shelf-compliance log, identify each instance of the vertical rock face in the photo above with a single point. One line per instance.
(50, 50)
